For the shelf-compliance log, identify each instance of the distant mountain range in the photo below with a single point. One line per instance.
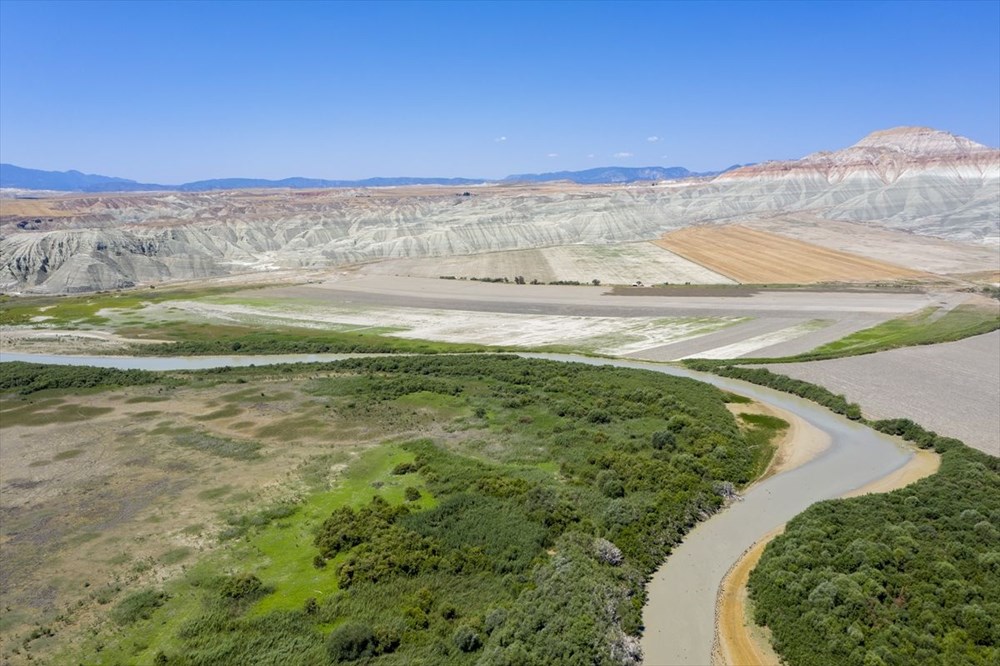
(74, 181)
(607, 175)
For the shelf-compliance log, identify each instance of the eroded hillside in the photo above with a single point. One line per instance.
(912, 180)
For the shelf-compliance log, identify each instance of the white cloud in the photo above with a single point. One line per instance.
(652, 139)
(500, 139)
(591, 156)
(553, 155)
(623, 154)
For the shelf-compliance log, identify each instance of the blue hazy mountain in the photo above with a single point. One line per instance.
(74, 181)
(67, 181)
(611, 174)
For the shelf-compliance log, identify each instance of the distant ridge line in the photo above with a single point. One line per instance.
(13, 176)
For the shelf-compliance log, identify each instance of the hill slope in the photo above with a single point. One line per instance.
(913, 180)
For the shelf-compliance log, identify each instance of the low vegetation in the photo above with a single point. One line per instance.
(522, 532)
(911, 577)
(26, 378)
(926, 327)
(210, 339)
(89, 310)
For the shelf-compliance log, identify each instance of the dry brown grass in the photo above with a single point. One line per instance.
(757, 257)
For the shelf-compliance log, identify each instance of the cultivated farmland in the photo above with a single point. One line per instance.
(757, 257)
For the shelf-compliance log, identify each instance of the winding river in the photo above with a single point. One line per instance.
(680, 612)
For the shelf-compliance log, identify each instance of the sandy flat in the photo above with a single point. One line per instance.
(952, 388)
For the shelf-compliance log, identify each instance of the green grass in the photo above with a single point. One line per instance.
(222, 413)
(761, 433)
(67, 455)
(34, 415)
(764, 421)
(205, 339)
(74, 311)
(175, 555)
(287, 548)
(232, 449)
(925, 327)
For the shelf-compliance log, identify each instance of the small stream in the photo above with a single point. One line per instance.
(680, 613)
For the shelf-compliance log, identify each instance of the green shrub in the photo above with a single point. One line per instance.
(138, 606)
(411, 494)
(494, 619)
(404, 468)
(241, 586)
(466, 639)
(350, 642)
(664, 439)
(904, 575)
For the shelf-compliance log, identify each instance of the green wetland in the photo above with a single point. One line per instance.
(442, 509)
(446, 509)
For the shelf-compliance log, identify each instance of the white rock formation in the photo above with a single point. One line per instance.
(911, 179)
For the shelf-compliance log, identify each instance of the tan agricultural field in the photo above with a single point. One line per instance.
(757, 257)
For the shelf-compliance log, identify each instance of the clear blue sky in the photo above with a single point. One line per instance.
(173, 92)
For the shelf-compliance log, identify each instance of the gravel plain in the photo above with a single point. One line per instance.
(952, 388)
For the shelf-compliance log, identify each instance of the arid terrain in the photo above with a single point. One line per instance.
(908, 182)
(953, 387)
(891, 242)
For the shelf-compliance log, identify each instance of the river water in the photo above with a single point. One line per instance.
(680, 613)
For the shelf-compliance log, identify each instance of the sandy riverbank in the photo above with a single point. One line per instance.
(740, 642)
(795, 446)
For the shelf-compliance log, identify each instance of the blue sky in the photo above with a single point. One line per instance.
(173, 92)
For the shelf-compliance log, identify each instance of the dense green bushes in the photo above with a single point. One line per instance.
(911, 577)
(621, 499)
(834, 402)
(28, 378)
(552, 501)
(219, 340)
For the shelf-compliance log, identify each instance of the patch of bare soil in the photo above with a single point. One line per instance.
(103, 492)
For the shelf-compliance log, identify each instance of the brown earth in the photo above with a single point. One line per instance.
(758, 257)
(109, 491)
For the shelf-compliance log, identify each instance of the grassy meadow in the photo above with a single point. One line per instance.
(441, 509)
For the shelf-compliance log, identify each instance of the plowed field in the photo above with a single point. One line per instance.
(757, 257)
